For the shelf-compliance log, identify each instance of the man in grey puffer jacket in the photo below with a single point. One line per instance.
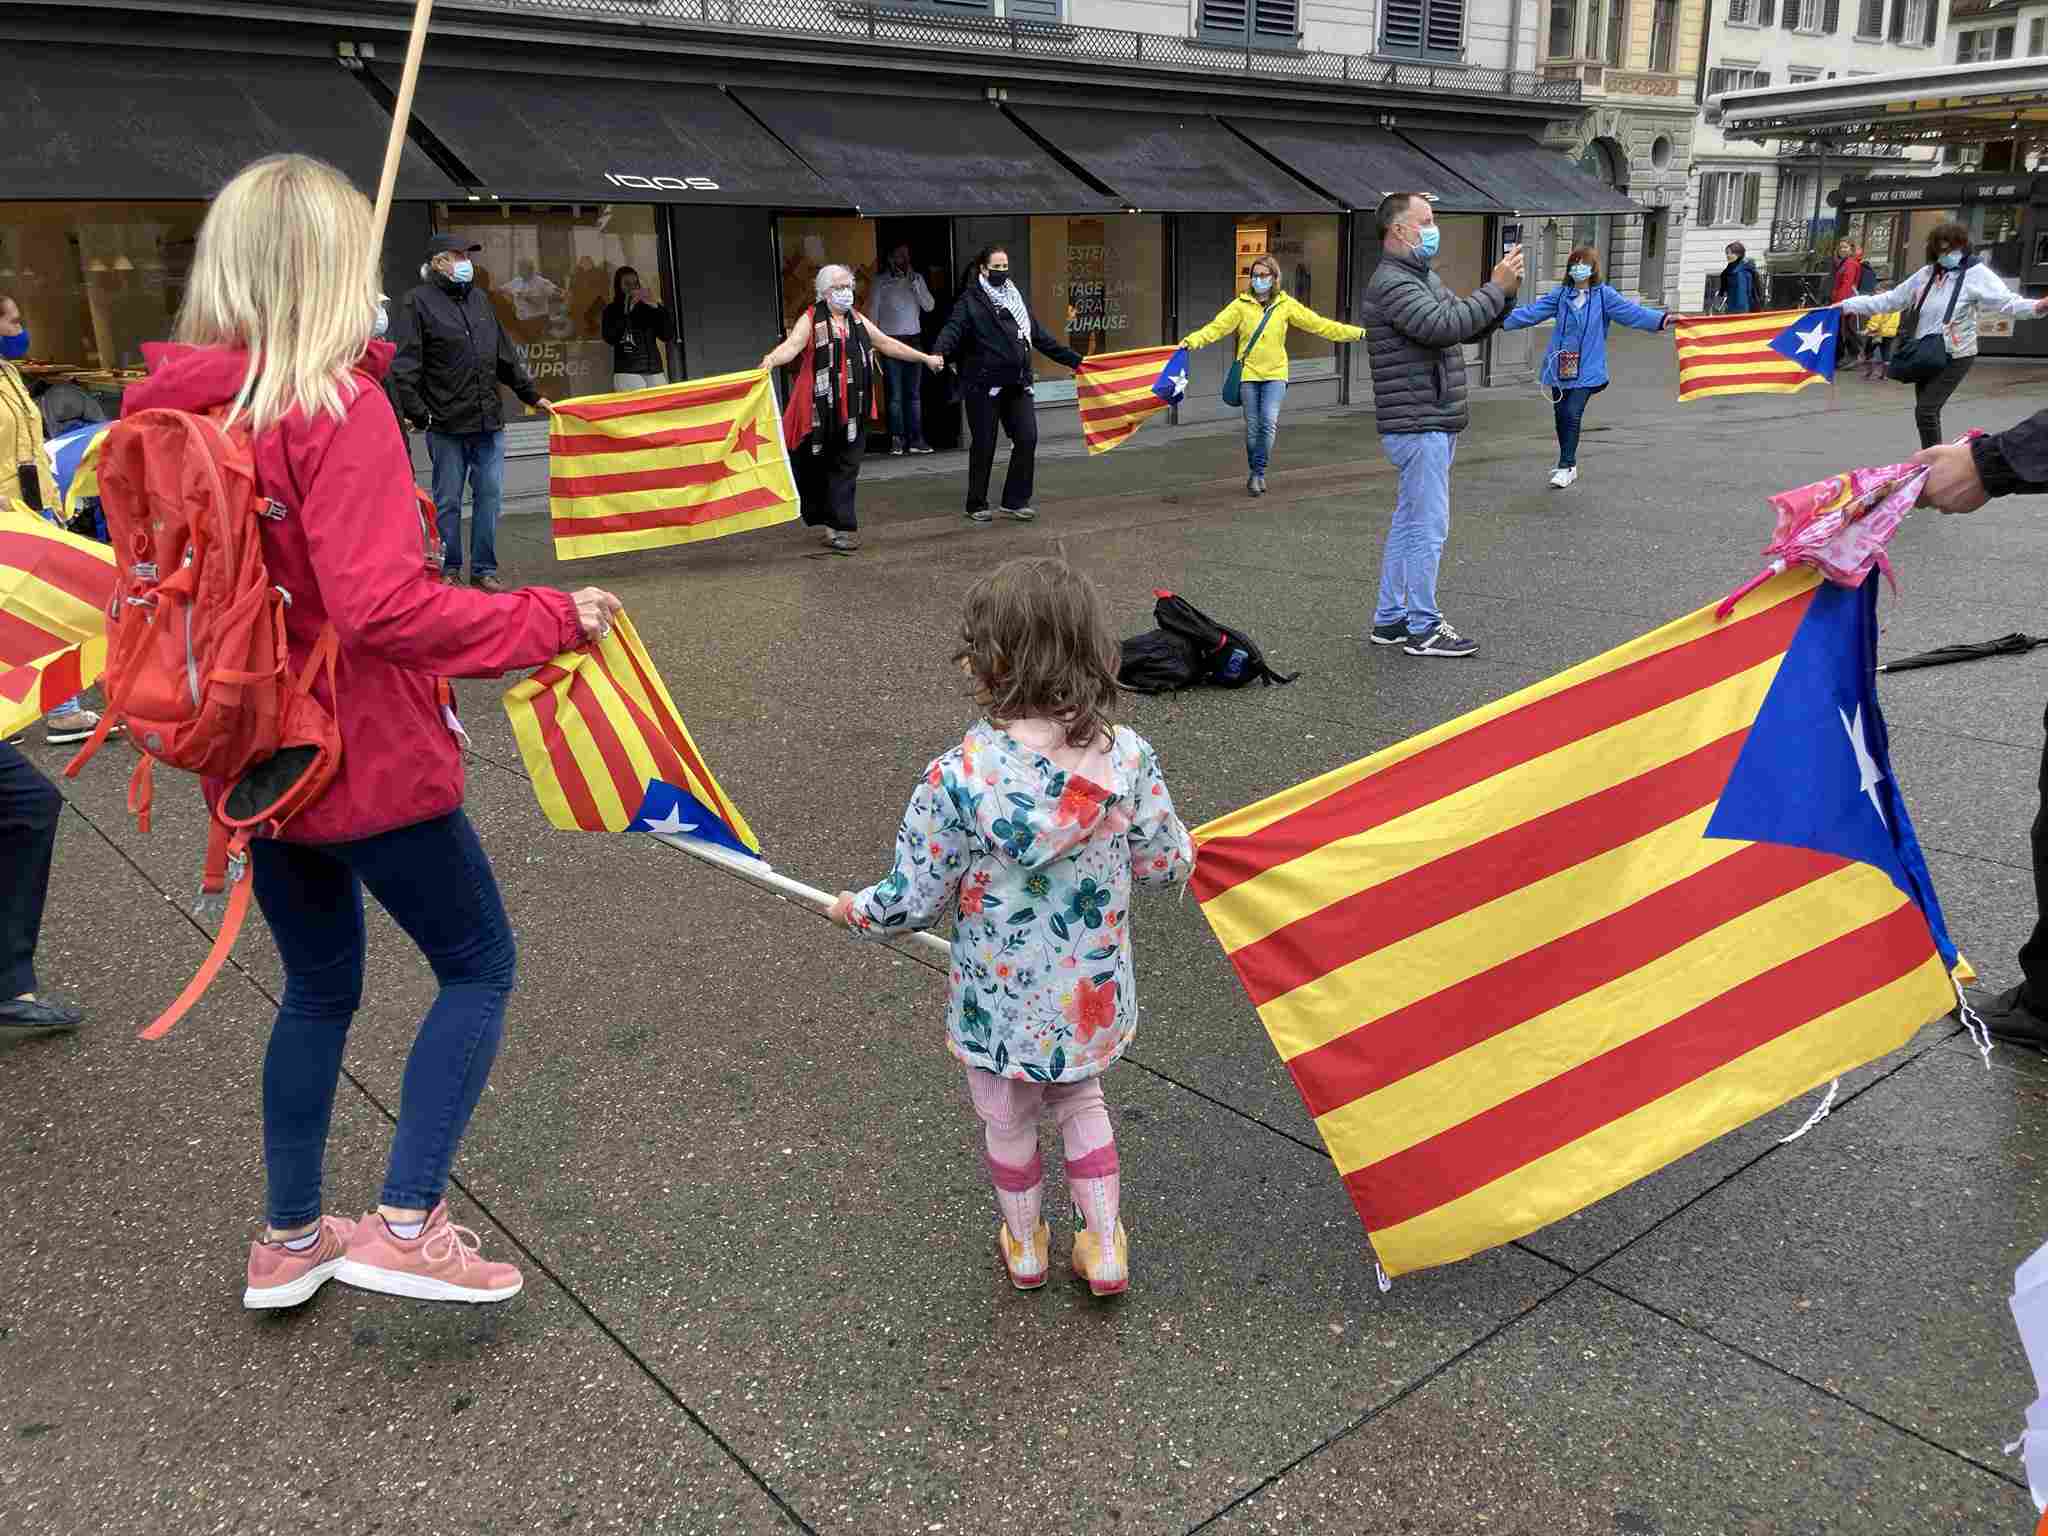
(1414, 327)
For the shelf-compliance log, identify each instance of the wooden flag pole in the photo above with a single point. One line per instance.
(924, 946)
(401, 117)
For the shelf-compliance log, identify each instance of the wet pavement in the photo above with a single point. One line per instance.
(731, 1154)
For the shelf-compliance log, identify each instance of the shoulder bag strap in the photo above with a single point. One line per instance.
(1962, 272)
(1259, 331)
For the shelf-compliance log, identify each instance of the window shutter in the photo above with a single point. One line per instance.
(1709, 202)
(1738, 10)
(1403, 25)
(1224, 16)
(1752, 195)
(1870, 21)
(2004, 48)
(1831, 17)
(1763, 12)
(1928, 9)
(1898, 27)
(1792, 9)
(1276, 18)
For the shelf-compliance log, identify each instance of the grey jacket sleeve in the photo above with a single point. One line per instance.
(1411, 310)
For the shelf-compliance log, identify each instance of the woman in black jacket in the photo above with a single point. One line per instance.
(635, 325)
(989, 338)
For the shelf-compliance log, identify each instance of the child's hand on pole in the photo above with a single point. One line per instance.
(842, 909)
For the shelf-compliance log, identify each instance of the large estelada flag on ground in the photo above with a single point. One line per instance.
(1526, 958)
(650, 467)
(1775, 352)
(54, 590)
(1119, 392)
(608, 752)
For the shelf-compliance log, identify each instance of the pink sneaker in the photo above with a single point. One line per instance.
(441, 1264)
(279, 1277)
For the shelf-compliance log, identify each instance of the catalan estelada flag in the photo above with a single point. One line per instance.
(1528, 957)
(607, 751)
(649, 467)
(1119, 391)
(1775, 352)
(54, 591)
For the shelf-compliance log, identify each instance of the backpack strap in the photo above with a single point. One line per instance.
(226, 861)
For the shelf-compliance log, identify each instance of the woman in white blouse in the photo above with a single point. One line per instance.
(1925, 297)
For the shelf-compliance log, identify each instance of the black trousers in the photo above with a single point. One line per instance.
(1930, 395)
(1013, 407)
(28, 837)
(825, 480)
(2034, 953)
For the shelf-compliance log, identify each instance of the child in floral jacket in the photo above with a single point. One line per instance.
(1029, 834)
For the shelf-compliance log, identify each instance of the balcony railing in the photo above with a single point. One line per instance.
(984, 37)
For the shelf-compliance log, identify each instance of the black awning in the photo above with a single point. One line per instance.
(1359, 166)
(1901, 192)
(121, 123)
(562, 138)
(1514, 169)
(913, 155)
(1172, 164)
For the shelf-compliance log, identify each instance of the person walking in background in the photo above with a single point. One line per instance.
(275, 333)
(1740, 286)
(901, 302)
(989, 337)
(1575, 364)
(452, 356)
(1879, 332)
(1257, 321)
(1942, 300)
(1028, 836)
(1414, 328)
(1847, 282)
(635, 326)
(831, 401)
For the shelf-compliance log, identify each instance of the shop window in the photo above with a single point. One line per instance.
(94, 282)
(1251, 23)
(549, 273)
(1304, 247)
(808, 245)
(1099, 284)
(1424, 29)
(1461, 257)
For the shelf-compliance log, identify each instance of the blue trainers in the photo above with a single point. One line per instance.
(1442, 641)
(1395, 633)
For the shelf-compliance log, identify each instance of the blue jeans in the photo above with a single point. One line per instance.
(433, 878)
(1262, 399)
(1422, 521)
(1570, 409)
(478, 457)
(906, 396)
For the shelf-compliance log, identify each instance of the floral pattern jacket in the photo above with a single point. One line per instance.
(1035, 864)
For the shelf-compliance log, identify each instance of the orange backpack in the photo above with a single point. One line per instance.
(196, 660)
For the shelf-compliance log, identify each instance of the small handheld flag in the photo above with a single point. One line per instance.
(1526, 958)
(646, 468)
(54, 590)
(1119, 391)
(1775, 352)
(607, 751)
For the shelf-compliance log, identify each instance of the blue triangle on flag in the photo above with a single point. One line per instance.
(1810, 341)
(681, 814)
(1172, 382)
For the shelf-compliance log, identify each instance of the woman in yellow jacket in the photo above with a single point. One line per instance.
(1265, 360)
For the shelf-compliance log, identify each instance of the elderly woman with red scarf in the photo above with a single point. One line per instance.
(831, 401)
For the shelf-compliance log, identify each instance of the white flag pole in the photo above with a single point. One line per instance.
(401, 117)
(928, 945)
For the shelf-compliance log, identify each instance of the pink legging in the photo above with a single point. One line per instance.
(1010, 1109)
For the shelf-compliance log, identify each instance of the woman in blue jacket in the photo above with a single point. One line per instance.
(1575, 367)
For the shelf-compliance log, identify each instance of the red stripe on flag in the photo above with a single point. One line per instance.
(63, 677)
(1136, 358)
(617, 763)
(667, 754)
(1496, 745)
(21, 641)
(72, 571)
(706, 787)
(1130, 410)
(679, 399)
(568, 772)
(1110, 434)
(1369, 920)
(1435, 1028)
(673, 478)
(1687, 338)
(563, 444)
(1793, 376)
(1558, 1112)
(15, 682)
(667, 517)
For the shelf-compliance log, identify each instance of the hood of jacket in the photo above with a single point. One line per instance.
(1035, 810)
(183, 377)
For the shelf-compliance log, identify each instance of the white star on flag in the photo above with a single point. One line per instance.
(1866, 765)
(1810, 341)
(671, 825)
(1179, 382)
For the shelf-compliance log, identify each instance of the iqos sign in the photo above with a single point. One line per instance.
(661, 183)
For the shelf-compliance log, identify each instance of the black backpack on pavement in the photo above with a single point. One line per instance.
(1188, 648)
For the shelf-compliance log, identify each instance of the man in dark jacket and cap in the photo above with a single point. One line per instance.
(452, 356)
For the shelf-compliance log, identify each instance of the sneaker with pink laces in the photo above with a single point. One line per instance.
(441, 1264)
(278, 1277)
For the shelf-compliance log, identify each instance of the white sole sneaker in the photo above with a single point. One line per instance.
(392, 1282)
(299, 1291)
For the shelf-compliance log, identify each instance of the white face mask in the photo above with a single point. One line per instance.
(841, 299)
(1579, 271)
(383, 321)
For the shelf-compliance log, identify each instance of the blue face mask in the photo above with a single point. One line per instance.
(14, 348)
(1432, 237)
(1261, 283)
(1579, 271)
(1951, 259)
(464, 271)
(383, 321)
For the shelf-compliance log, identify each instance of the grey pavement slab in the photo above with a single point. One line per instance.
(1596, 1417)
